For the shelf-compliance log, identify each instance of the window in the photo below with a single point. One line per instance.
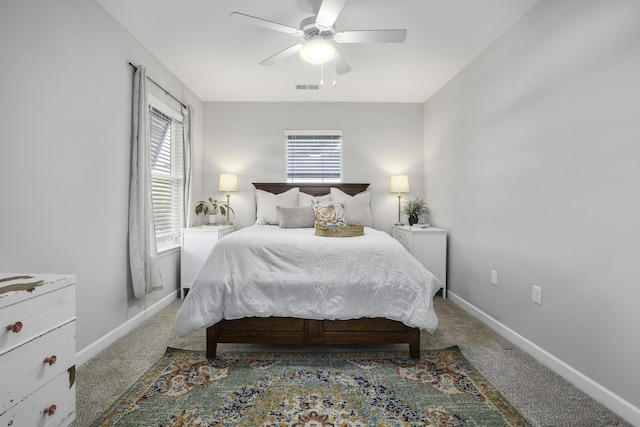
(167, 173)
(314, 156)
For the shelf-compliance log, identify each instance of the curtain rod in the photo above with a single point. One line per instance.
(165, 91)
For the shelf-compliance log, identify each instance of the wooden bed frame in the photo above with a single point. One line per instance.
(287, 330)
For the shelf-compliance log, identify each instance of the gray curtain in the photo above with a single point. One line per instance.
(143, 252)
(187, 113)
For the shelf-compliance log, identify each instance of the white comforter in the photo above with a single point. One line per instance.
(264, 270)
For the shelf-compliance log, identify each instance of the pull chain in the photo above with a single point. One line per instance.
(334, 71)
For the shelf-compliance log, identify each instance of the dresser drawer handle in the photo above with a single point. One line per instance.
(16, 327)
(50, 410)
(50, 360)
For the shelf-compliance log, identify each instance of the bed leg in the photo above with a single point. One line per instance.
(414, 343)
(211, 342)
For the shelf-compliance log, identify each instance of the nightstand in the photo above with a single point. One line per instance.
(197, 243)
(429, 246)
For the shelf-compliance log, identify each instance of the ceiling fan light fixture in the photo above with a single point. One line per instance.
(317, 52)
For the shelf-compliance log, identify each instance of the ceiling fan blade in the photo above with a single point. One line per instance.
(281, 55)
(341, 65)
(328, 13)
(252, 20)
(371, 36)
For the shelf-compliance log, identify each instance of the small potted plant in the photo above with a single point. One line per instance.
(211, 209)
(414, 207)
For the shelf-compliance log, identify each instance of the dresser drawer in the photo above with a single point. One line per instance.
(30, 412)
(25, 369)
(35, 316)
(15, 288)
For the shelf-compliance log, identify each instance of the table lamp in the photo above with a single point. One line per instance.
(399, 185)
(228, 183)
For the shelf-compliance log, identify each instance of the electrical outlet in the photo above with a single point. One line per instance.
(494, 277)
(537, 294)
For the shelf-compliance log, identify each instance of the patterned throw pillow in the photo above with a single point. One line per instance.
(298, 217)
(328, 214)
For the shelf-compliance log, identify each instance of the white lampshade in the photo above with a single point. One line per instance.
(317, 52)
(228, 182)
(399, 184)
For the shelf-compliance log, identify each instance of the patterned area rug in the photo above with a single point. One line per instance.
(312, 390)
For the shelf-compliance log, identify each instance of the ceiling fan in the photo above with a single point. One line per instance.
(319, 34)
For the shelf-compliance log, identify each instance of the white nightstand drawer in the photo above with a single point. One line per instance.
(401, 237)
(25, 368)
(406, 246)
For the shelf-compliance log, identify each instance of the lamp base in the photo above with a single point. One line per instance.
(228, 222)
(399, 216)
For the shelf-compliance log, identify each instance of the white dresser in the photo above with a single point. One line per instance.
(37, 350)
(197, 243)
(429, 246)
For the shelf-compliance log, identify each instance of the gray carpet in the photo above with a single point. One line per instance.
(540, 395)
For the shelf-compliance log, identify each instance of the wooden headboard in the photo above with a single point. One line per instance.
(312, 189)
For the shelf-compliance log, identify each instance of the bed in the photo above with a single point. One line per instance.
(251, 289)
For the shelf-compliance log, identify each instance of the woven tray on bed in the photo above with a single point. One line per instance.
(350, 230)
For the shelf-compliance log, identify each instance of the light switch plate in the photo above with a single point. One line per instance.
(494, 277)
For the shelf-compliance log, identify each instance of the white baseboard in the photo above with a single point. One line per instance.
(92, 350)
(599, 393)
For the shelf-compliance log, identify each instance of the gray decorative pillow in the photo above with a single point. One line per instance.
(297, 217)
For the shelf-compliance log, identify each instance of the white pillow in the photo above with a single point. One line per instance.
(357, 209)
(266, 203)
(305, 199)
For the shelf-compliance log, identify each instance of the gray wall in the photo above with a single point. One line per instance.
(64, 166)
(530, 160)
(532, 163)
(380, 140)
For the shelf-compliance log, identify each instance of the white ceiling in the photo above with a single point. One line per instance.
(218, 57)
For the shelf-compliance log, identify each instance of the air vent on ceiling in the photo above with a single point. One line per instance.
(307, 87)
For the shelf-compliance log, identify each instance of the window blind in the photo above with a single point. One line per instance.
(314, 156)
(167, 166)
